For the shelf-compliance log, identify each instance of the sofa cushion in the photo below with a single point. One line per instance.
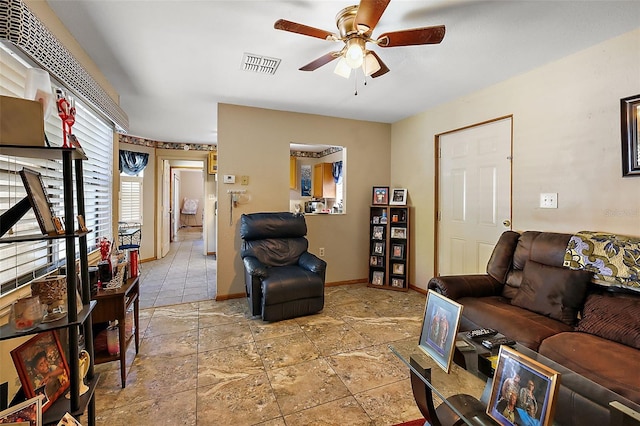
(610, 364)
(551, 291)
(614, 317)
(526, 327)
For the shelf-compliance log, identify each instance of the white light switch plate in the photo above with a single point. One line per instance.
(229, 179)
(549, 200)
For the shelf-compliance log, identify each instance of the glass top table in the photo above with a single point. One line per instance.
(578, 397)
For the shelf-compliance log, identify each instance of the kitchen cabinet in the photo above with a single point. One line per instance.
(293, 172)
(323, 184)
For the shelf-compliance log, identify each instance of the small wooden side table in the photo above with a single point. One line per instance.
(113, 305)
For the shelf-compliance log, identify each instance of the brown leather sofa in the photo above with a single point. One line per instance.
(530, 297)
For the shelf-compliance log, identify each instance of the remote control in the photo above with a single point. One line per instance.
(497, 341)
(481, 332)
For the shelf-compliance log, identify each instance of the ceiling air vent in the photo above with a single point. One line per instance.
(259, 64)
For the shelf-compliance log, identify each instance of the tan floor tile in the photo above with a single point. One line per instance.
(288, 350)
(230, 363)
(367, 368)
(305, 385)
(169, 345)
(245, 401)
(335, 338)
(224, 335)
(269, 330)
(345, 411)
(171, 409)
(390, 404)
(149, 379)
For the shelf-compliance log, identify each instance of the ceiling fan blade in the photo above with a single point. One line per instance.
(294, 27)
(383, 68)
(322, 60)
(369, 13)
(427, 35)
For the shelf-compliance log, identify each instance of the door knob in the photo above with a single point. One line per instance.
(507, 223)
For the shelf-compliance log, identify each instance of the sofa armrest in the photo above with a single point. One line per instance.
(312, 263)
(459, 286)
(254, 267)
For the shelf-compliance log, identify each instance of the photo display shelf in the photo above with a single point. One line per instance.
(388, 247)
(71, 166)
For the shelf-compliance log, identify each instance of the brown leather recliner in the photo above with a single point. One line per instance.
(283, 280)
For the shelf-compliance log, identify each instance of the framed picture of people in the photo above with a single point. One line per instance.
(439, 328)
(523, 391)
(42, 367)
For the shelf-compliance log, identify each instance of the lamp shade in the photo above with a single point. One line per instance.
(370, 65)
(38, 88)
(342, 69)
(354, 56)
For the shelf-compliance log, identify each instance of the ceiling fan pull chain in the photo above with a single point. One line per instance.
(355, 85)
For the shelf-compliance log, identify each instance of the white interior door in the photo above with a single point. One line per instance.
(474, 195)
(165, 206)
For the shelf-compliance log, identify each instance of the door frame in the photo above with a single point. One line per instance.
(436, 192)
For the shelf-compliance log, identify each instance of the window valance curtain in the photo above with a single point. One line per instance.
(337, 171)
(133, 163)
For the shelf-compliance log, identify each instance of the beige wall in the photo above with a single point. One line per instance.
(255, 142)
(566, 124)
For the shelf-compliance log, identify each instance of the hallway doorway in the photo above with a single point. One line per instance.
(185, 274)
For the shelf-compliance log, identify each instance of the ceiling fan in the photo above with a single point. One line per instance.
(355, 25)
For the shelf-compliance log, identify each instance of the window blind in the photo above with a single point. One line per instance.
(22, 262)
(130, 199)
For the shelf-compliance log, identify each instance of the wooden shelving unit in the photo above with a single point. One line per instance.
(389, 247)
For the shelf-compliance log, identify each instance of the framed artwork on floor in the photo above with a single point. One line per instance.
(523, 391)
(439, 328)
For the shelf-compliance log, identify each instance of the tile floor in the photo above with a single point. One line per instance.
(184, 275)
(209, 363)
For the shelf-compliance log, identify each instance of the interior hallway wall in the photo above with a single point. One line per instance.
(191, 187)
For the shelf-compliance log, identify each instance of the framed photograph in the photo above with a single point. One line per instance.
(398, 268)
(27, 413)
(377, 278)
(373, 261)
(82, 226)
(439, 328)
(378, 248)
(39, 200)
(398, 232)
(305, 180)
(398, 197)
(378, 232)
(213, 162)
(397, 282)
(380, 196)
(397, 251)
(629, 116)
(42, 368)
(57, 221)
(523, 392)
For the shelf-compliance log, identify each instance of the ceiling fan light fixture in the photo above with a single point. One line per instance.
(342, 69)
(355, 53)
(370, 64)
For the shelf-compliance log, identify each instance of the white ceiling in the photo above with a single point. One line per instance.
(172, 61)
